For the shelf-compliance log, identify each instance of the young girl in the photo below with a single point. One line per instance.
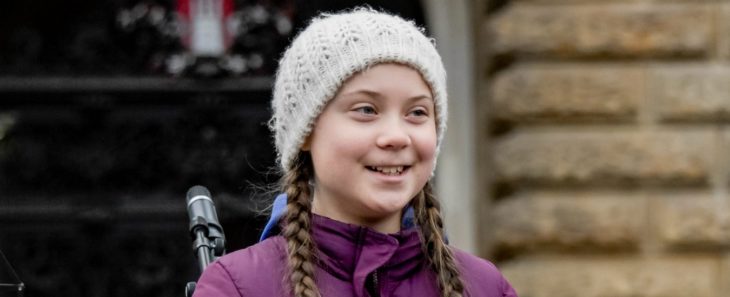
(359, 114)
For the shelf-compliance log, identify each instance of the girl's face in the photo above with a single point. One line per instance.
(373, 147)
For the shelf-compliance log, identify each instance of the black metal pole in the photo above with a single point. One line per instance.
(202, 247)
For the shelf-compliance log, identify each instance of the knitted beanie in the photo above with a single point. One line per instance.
(329, 51)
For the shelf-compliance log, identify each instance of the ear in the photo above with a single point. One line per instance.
(307, 145)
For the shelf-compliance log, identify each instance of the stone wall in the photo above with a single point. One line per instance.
(607, 146)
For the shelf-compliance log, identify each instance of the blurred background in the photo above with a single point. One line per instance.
(110, 110)
(586, 153)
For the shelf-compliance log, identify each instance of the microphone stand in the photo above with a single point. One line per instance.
(19, 285)
(207, 234)
(202, 245)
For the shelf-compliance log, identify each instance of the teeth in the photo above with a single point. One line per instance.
(393, 170)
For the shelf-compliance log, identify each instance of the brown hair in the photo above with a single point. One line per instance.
(441, 259)
(297, 229)
(301, 248)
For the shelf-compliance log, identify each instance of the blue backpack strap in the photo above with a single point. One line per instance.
(279, 208)
(277, 212)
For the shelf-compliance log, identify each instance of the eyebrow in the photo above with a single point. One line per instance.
(379, 96)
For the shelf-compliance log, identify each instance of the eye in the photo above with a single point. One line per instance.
(365, 109)
(419, 112)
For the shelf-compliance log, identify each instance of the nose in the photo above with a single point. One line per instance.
(393, 136)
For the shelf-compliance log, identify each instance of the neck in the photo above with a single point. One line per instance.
(387, 225)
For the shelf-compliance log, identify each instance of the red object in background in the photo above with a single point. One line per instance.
(204, 26)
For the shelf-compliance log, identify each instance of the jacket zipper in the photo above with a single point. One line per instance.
(375, 283)
(375, 287)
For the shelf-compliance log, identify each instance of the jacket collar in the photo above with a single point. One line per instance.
(351, 252)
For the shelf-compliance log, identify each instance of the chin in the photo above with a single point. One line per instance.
(388, 205)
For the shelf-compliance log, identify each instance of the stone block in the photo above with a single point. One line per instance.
(602, 30)
(694, 221)
(609, 277)
(690, 91)
(596, 156)
(567, 92)
(574, 220)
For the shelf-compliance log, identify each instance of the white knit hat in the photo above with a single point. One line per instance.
(330, 50)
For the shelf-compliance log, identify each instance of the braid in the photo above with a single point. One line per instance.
(297, 231)
(441, 259)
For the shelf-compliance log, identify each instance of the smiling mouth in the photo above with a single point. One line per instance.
(388, 170)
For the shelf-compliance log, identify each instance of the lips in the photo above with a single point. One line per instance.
(389, 170)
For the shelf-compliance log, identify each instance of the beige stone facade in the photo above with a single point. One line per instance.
(604, 150)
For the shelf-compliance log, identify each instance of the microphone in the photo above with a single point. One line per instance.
(201, 211)
(205, 230)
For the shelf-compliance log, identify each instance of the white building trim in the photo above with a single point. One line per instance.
(450, 23)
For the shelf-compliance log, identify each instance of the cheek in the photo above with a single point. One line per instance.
(425, 143)
(341, 145)
(349, 150)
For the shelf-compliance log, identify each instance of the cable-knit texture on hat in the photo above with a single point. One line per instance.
(330, 50)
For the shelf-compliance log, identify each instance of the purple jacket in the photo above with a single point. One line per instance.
(348, 255)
